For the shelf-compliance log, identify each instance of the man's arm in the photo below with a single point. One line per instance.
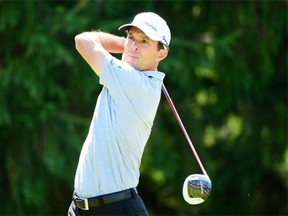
(94, 46)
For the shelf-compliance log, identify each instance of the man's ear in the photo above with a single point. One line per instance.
(162, 54)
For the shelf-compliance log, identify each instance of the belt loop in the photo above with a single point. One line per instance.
(135, 189)
(101, 201)
(133, 192)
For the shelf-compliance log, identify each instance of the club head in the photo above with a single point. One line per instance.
(196, 188)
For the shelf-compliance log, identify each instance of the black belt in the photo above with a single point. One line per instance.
(85, 204)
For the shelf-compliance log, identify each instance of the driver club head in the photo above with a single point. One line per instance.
(196, 188)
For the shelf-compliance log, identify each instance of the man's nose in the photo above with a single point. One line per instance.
(135, 45)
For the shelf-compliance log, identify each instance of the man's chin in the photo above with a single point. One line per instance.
(132, 64)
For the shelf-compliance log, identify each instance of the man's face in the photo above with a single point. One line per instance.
(140, 51)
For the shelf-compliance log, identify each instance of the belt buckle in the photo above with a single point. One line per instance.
(86, 204)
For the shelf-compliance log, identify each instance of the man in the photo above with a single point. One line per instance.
(108, 170)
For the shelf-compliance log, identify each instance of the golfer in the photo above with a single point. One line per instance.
(108, 170)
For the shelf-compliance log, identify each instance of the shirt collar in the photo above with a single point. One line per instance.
(155, 74)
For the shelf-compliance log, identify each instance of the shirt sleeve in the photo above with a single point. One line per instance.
(122, 81)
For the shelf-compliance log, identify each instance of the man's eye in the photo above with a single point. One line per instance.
(130, 37)
(144, 41)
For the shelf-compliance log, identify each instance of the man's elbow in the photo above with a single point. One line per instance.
(85, 41)
(79, 40)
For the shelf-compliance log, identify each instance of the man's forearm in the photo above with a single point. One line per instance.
(112, 43)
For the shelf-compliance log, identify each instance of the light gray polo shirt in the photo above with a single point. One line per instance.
(123, 117)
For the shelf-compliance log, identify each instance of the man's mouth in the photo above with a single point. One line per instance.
(134, 57)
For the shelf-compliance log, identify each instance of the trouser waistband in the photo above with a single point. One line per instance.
(85, 204)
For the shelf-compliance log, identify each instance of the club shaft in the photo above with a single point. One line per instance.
(183, 128)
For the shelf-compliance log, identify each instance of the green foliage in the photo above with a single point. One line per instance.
(227, 75)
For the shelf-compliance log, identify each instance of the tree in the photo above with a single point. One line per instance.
(226, 73)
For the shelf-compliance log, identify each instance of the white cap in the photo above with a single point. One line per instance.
(154, 26)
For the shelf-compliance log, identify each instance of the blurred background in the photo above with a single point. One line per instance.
(226, 73)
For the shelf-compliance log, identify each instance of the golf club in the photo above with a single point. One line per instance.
(196, 187)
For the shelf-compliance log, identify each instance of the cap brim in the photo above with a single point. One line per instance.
(146, 31)
(125, 27)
